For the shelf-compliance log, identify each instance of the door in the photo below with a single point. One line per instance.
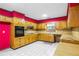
(4, 36)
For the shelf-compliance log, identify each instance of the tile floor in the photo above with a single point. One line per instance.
(35, 49)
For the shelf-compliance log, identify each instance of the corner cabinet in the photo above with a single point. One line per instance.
(46, 37)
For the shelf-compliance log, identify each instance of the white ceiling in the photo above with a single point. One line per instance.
(38, 10)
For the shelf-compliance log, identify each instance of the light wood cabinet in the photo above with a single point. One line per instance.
(16, 42)
(5, 19)
(46, 37)
(73, 17)
(30, 24)
(61, 25)
(41, 26)
(32, 38)
(22, 41)
(18, 21)
(29, 38)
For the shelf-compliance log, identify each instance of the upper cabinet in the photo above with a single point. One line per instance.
(41, 26)
(5, 16)
(73, 15)
(18, 19)
(61, 25)
(30, 25)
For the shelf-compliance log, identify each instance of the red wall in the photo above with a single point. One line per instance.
(31, 20)
(20, 15)
(53, 19)
(73, 4)
(5, 12)
(4, 35)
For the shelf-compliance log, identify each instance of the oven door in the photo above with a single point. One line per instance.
(19, 31)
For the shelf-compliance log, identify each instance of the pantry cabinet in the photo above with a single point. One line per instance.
(73, 16)
(61, 25)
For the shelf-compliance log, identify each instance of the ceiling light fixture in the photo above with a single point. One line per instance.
(44, 16)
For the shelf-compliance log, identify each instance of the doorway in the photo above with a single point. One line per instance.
(4, 35)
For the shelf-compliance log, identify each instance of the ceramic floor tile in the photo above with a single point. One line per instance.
(35, 49)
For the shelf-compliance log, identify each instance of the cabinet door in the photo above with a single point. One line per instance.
(22, 41)
(27, 39)
(32, 38)
(46, 37)
(41, 26)
(16, 43)
(4, 36)
(73, 16)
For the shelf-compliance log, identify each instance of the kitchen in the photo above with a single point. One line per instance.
(21, 30)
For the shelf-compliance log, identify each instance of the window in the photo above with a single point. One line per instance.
(51, 26)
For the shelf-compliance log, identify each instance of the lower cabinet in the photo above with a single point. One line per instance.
(32, 38)
(17, 42)
(22, 41)
(29, 38)
(46, 37)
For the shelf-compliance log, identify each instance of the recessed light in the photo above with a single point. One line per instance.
(44, 16)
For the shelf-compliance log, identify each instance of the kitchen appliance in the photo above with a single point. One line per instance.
(19, 31)
(30, 27)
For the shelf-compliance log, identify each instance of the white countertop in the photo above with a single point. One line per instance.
(47, 32)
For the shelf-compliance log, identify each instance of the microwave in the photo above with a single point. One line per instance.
(19, 31)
